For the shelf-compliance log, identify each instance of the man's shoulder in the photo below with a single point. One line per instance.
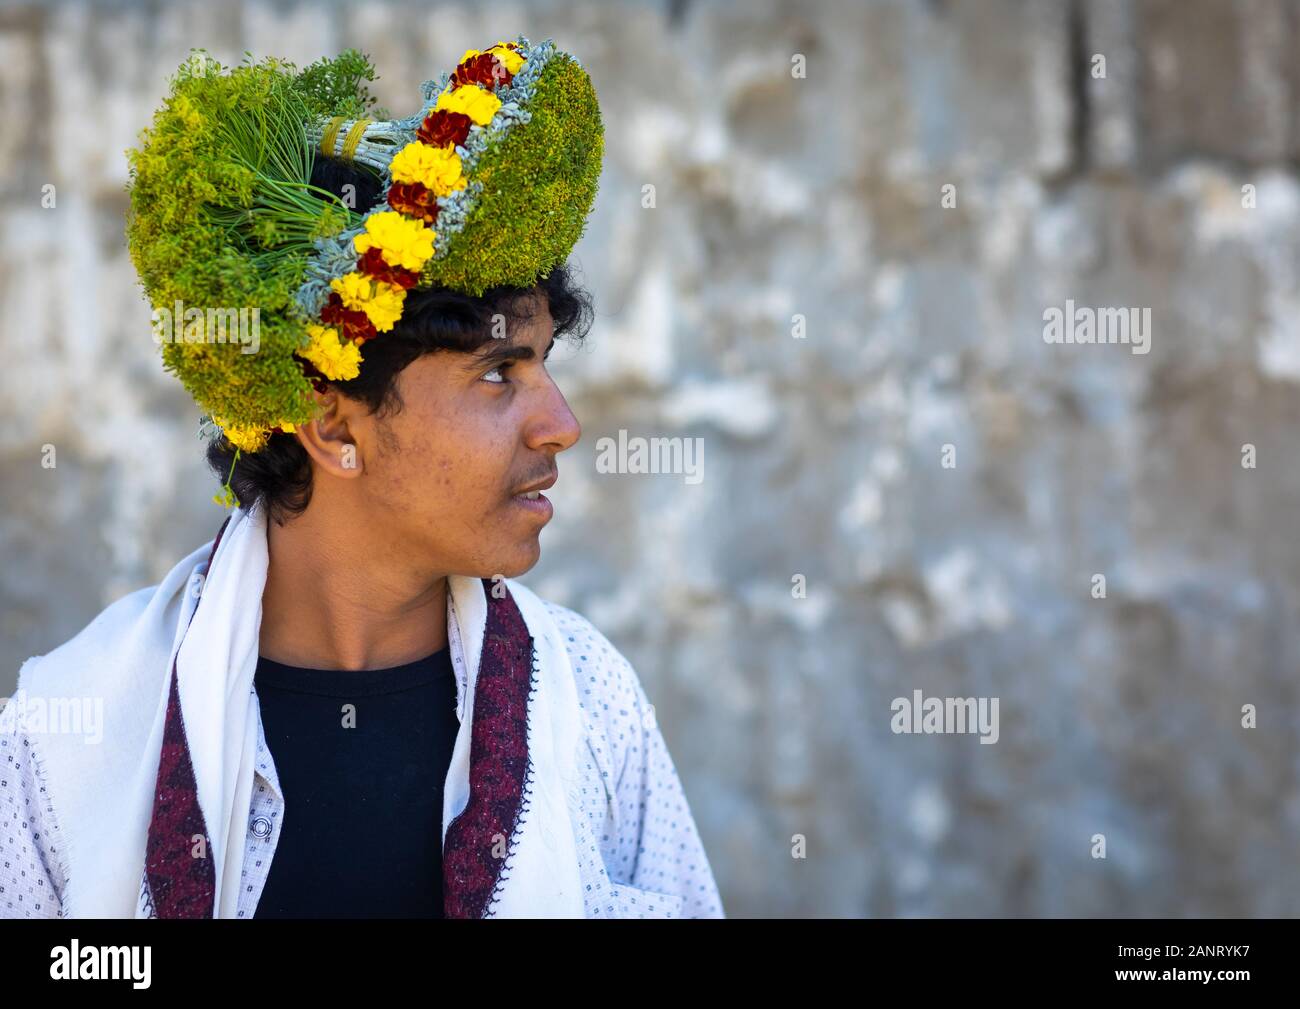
(592, 655)
(141, 619)
(610, 693)
(597, 662)
(101, 634)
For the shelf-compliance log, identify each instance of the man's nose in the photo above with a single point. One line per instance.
(556, 425)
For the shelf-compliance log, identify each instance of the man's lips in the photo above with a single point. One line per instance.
(530, 496)
(537, 485)
(540, 505)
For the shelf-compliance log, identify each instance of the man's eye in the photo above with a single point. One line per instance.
(499, 370)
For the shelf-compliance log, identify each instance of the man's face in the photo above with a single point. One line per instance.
(443, 472)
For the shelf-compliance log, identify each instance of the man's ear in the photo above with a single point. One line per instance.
(330, 438)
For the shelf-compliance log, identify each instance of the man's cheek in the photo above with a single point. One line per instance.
(446, 484)
(443, 471)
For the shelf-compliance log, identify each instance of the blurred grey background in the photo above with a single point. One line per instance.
(820, 198)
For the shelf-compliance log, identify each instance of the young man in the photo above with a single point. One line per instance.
(345, 705)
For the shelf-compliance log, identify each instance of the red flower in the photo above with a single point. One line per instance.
(442, 127)
(356, 325)
(483, 69)
(317, 380)
(413, 199)
(373, 264)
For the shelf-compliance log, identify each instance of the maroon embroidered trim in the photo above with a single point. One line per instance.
(181, 885)
(479, 842)
(481, 839)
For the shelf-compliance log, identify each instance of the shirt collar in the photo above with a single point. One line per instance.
(265, 762)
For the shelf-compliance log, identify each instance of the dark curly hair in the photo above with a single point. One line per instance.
(279, 476)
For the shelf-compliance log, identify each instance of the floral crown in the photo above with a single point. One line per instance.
(489, 184)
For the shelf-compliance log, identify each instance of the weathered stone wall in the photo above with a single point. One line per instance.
(965, 571)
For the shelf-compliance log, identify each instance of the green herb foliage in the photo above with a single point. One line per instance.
(538, 188)
(222, 216)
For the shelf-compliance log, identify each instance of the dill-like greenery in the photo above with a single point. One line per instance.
(539, 185)
(223, 215)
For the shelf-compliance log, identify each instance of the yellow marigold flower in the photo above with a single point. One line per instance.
(402, 241)
(380, 300)
(332, 357)
(472, 100)
(438, 168)
(512, 60)
(244, 437)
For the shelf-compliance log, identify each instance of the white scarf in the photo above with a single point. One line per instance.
(103, 794)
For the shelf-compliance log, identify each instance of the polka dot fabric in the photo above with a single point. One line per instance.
(653, 861)
(31, 866)
(640, 853)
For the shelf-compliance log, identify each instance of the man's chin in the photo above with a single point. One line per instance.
(515, 562)
(530, 555)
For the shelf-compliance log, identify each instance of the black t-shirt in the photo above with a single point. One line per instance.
(362, 785)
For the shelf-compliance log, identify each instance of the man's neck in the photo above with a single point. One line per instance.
(336, 599)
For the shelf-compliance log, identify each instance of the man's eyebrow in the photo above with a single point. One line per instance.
(498, 352)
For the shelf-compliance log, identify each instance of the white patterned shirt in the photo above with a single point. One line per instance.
(639, 850)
